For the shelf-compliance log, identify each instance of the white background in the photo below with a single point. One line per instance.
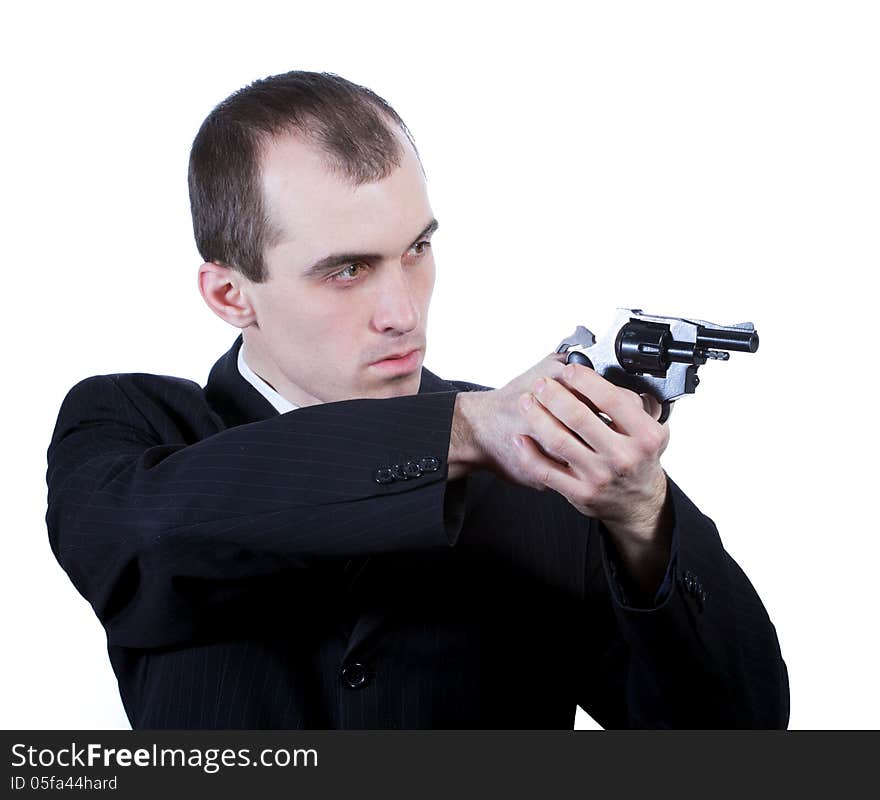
(716, 160)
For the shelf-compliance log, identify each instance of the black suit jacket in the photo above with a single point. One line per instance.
(252, 572)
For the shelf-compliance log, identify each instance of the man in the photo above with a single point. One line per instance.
(330, 536)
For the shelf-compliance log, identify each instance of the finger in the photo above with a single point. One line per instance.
(556, 438)
(623, 406)
(651, 405)
(542, 473)
(579, 417)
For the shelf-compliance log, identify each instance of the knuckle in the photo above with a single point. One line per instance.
(624, 465)
(551, 387)
(586, 494)
(544, 476)
(664, 438)
(584, 499)
(559, 445)
(660, 439)
(581, 418)
(620, 399)
(601, 480)
(650, 443)
(635, 399)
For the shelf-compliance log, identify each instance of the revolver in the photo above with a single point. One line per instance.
(660, 355)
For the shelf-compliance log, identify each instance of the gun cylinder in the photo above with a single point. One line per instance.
(741, 341)
(641, 347)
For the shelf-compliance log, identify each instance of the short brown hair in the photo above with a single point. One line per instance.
(348, 122)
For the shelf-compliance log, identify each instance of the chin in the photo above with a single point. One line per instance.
(405, 385)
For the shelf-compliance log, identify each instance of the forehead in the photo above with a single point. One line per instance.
(314, 208)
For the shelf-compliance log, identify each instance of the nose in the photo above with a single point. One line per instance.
(396, 309)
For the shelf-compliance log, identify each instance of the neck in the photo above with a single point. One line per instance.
(263, 366)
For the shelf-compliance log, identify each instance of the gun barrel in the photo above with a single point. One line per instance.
(740, 341)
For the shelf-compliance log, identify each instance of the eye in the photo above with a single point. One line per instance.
(350, 273)
(419, 247)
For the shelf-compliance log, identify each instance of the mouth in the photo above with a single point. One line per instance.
(399, 363)
(395, 356)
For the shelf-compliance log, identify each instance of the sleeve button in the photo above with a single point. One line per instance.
(355, 675)
(429, 464)
(412, 470)
(384, 475)
(398, 473)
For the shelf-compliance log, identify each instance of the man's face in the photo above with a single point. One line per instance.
(350, 279)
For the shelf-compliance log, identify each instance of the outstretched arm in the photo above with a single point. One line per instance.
(162, 531)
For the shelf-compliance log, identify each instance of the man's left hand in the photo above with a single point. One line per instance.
(608, 470)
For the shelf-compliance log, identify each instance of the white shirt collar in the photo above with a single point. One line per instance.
(281, 404)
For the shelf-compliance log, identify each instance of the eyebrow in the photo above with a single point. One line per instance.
(339, 259)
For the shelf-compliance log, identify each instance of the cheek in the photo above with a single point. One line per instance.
(326, 330)
(426, 283)
(300, 323)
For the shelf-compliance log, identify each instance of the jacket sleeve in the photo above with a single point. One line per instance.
(165, 537)
(707, 656)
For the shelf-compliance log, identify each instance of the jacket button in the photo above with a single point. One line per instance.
(412, 470)
(429, 464)
(355, 675)
(383, 475)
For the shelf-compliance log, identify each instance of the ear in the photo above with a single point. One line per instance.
(227, 293)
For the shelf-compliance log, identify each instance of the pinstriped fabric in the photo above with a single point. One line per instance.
(251, 573)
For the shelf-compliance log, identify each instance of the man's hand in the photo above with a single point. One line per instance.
(484, 424)
(606, 469)
(542, 430)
